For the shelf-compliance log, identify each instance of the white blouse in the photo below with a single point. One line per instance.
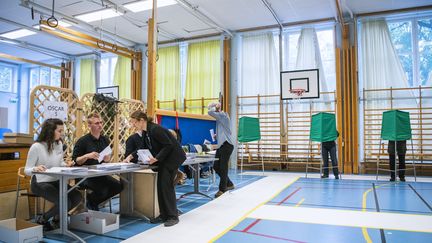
(38, 155)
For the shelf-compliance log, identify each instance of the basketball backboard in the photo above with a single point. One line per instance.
(307, 80)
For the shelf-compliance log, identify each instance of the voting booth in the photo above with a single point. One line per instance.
(248, 131)
(322, 129)
(395, 126)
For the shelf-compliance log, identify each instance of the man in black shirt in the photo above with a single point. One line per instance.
(86, 152)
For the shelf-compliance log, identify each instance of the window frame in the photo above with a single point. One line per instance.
(13, 86)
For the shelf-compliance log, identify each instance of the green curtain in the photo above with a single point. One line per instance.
(122, 76)
(203, 78)
(87, 76)
(168, 86)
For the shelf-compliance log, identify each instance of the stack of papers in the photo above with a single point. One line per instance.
(106, 166)
(144, 156)
(68, 169)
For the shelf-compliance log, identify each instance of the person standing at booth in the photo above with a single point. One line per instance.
(327, 148)
(45, 153)
(401, 152)
(86, 152)
(168, 156)
(225, 146)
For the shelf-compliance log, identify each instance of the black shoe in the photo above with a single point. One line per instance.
(218, 194)
(171, 222)
(46, 224)
(402, 179)
(230, 187)
(392, 179)
(336, 177)
(91, 206)
(324, 176)
(157, 220)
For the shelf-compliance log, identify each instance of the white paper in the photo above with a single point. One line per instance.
(212, 134)
(55, 109)
(105, 152)
(67, 169)
(144, 155)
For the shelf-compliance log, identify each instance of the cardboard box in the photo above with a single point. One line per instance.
(21, 138)
(20, 231)
(95, 222)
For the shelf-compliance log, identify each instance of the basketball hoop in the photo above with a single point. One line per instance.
(298, 92)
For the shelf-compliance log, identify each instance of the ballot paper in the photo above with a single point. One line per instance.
(67, 169)
(212, 134)
(105, 152)
(144, 156)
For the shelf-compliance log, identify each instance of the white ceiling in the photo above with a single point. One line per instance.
(177, 21)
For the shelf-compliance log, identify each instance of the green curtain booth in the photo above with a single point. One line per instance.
(323, 127)
(396, 125)
(249, 129)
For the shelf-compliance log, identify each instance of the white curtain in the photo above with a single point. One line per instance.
(309, 57)
(259, 65)
(381, 67)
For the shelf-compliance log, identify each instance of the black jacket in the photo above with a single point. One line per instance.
(163, 146)
(133, 144)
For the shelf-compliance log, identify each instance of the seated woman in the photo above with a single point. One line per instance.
(45, 153)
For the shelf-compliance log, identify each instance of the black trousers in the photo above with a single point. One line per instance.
(400, 146)
(326, 149)
(221, 165)
(102, 188)
(166, 193)
(50, 191)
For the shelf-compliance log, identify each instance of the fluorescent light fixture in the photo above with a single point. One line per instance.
(98, 15)
(16, 34)
(147, 5)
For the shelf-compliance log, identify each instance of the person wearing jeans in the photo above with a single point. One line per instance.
(401, 151)
(224, 147)
(326, 149)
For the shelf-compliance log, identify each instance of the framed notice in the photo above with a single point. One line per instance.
(112, 91)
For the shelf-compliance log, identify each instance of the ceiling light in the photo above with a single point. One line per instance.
(18, 33)
(98, 15)
(147, 5)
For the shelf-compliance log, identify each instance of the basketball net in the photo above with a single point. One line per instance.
(298, 94)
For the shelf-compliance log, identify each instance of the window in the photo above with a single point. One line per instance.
(45, 76)
(6, 78)
(412, 39)
(107, 68)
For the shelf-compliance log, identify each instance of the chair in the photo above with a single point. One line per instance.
(21, 176)
(249, 131)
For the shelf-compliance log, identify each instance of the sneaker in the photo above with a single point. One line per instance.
(171, 222)
(392, 179)
(324, 176)
(336, 177)
(230, 187)
(402, 179)
(157, 220)
(218, 194)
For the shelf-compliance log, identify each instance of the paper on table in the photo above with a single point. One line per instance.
(105, 152)
(144, 155)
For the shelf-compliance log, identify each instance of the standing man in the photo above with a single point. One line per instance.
(327, 148)
(225, 146)
(86, 152)
(401, 151)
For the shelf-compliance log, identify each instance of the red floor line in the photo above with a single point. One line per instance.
(251, 225)
(292, 193)
(269, 236)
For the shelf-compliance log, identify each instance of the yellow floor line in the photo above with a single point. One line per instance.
(364, 202)
(299, 203)
(250, 211)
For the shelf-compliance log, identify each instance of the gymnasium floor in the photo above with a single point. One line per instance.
(285, 207)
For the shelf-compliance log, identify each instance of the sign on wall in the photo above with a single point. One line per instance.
(55, 109)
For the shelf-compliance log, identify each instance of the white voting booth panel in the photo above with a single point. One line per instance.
(20, 231)
(95, 222)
